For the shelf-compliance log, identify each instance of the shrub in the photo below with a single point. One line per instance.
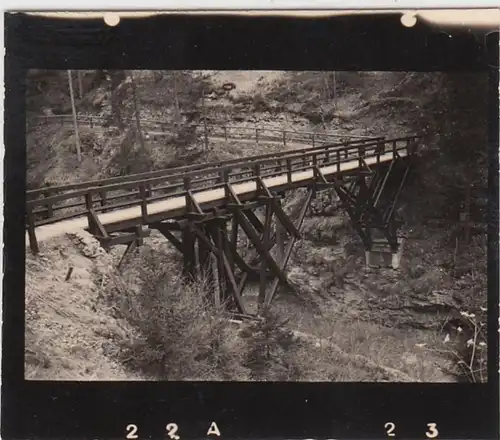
(272, 351)
(260, 104)
(179, 334)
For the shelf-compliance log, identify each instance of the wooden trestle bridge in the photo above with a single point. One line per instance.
(205, 210)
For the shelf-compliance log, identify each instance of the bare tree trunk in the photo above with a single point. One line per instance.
(176, 99)
(334, 89)
(204, 119)
(80, 84)
(327, 88)
(117, 78)
(136, 111)
(75, 122)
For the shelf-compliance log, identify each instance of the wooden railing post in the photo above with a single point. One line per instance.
(50, 210)
(104, 200)
(31, 231)
(394, 149)
(338, 161)
(284, 138)
(289, 170)
(89, 204)
(257, 135)
(224, 178)
(409, 145)
(225, 133)
(312, 136)
(256, 169)
(361, 155)
(144, 203)
(380, 151)
(187, 187)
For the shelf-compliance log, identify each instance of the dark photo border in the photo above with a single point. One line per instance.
(241, 410)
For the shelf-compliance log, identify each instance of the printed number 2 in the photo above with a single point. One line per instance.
(432, 432)
(131, 431)
(390, 429)
(171, 431)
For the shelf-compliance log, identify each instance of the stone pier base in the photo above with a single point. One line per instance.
(381, 255)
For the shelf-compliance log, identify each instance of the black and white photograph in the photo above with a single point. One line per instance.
(256, 226)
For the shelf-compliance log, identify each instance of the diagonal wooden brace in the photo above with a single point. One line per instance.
(165, 231)
(288, 251)
(94, 223)
(255, 239)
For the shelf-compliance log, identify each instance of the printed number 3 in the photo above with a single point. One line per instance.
(433, 432)
(390, 429)
(131, 431)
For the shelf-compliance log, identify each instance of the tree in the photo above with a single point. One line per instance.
(131, 80)
(117, 80)
(75, 123)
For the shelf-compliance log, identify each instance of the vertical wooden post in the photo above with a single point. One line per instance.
(140, 235)
(224, 178)
(104, 200)
(338, 161)
(206, 262)
(284, 138)
(31, 231)
(188, 242)
(217, 227)
(263, 265)
(225, 132)
(256, 135)
(280, 240)
(289, 170)
(144, 204)
(312, 136)
(89, 205)
(50, 210)
(234, 238)
(187, 187)
(256, 169)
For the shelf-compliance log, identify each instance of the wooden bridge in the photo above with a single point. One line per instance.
(206, 210)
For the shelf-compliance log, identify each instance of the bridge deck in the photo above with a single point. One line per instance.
(175, 206)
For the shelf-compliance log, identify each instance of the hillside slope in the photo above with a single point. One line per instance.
(70, 333)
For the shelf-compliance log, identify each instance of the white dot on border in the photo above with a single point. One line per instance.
(111, 18)
(409, 19)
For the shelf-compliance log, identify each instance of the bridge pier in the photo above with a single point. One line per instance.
(211, 246)
(383, 255)
(370, 199)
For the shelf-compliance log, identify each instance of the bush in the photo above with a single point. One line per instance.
(179, 334)
(272, 351)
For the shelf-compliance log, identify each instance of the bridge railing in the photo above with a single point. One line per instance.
(49, 191)
(257, 133)
(146, 190)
